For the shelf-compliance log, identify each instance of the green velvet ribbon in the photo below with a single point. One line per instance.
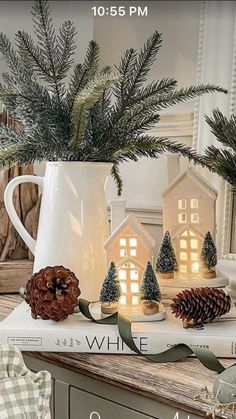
(177, 352)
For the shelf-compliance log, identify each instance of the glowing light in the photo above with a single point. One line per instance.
(194, 244)
(133, 242)
(122, 242)
(183, 244)
(122, 300)
(123, 287)
(195, 267)
(133, 274)
(134, 287)
(122, 274)
(183, 269)
(123, 252)
(135, 300)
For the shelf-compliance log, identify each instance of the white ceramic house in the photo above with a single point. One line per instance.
(189, 205)
(130, 246)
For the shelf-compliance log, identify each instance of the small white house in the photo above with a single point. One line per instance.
(189, 207)
(130, 246)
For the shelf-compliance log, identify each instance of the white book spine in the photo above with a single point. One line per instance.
(102, 342)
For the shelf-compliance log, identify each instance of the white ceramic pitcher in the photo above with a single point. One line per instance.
(72, 223)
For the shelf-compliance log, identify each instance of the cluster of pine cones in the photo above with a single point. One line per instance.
(52, 293)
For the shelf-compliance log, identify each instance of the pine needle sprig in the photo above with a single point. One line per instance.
(166, 100)
(165, 85)
(83, 73)
(85, 101)
(222, 160)
(66, 48)
(144, 61)
(47, 41)
(134, 68)
(115, 173)
(26, 44)
(150, 146)
(9, 54)
(223, 128)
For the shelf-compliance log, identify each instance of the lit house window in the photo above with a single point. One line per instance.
(194, 243)
(133, 242)
(135, 300)
(183, 256)
(122, 300)
(122, 242)
(122, 274)
(182, 218)
(133, 252)
(123, 287)
(134, 274)
(123, 252)
(183, 269)
(194, 203)
(194, 257)
(195, 267)
(182, 204)
(194, 218)
(134, 287)
(183, 244)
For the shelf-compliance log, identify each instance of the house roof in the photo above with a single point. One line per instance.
(122, 261)
(187, 226)
(195, 175)
(137, 227)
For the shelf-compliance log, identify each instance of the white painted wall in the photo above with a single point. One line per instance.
(145, 180)
(178, 21)
(16, 15)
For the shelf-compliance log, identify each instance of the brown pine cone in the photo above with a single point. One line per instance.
(200, 305)
(52, 293)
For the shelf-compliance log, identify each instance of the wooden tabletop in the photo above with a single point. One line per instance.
(175, 384)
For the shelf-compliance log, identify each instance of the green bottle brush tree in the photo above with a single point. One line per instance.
(150, 294)
(208, 257)
(166, 263)
(95, 114)
(111, 291)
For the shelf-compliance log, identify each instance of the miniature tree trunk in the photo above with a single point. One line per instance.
(150, 293)
(208, 257)
(111, 291)
(166, 263)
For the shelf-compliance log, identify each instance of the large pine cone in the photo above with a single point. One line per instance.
(200, 305)
(52, 293)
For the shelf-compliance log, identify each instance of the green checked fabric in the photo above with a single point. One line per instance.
(23, 394)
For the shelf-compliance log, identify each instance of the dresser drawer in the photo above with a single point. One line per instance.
(87, 406)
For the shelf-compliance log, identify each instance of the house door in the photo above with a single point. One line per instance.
(129, 276)
(188, 252)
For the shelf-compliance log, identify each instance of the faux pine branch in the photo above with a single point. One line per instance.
(84, 102)
(84, 113)
(223, 160)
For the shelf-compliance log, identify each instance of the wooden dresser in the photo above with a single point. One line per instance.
(89, 386)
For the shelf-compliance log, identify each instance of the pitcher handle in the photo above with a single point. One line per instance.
(8, 200)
